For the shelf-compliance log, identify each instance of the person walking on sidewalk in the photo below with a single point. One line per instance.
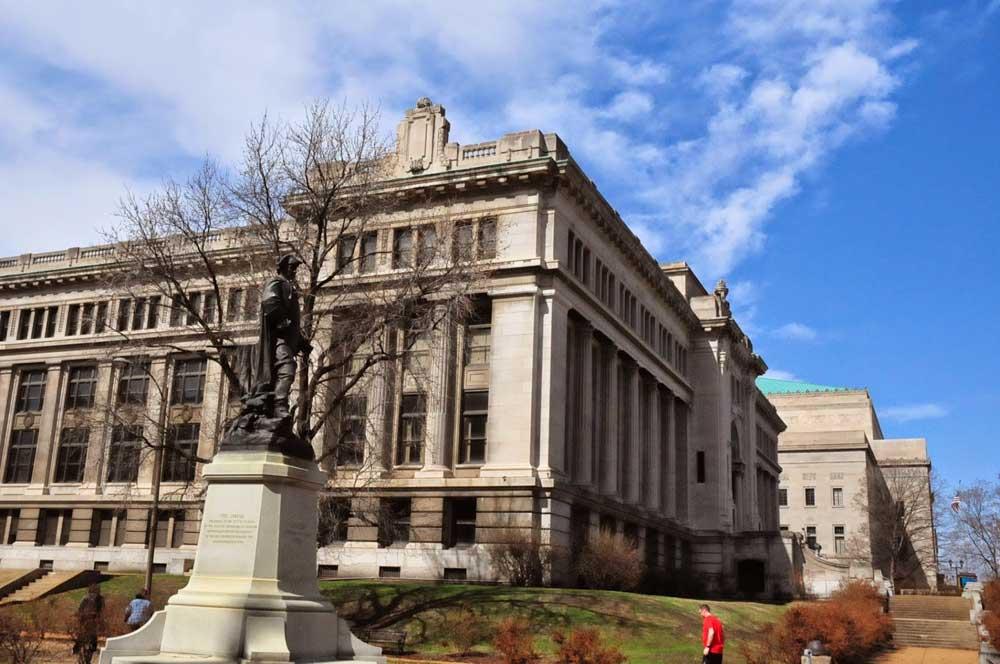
(712, 637)
(88, 619)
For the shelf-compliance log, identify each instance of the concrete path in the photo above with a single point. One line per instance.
(911, 655)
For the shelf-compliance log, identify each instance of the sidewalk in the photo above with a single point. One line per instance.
(910, 655)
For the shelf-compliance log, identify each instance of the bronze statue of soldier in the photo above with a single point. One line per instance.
(264, 421)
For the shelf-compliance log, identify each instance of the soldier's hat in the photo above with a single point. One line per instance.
(288, 261)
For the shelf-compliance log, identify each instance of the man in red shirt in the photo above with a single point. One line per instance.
(712, 637)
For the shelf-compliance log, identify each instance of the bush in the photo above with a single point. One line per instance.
(22, 632)
(583, 646)
(514, 642)
(521, 560)
(465, 629)
(850, 624)
(991, 611)
(609, 562)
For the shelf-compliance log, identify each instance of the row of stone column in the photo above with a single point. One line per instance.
(128, 528)
(626, 434)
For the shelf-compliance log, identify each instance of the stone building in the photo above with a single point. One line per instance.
(592, 389)
(839, 477)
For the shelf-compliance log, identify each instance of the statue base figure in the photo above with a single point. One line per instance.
(253, 595)
(257, 428)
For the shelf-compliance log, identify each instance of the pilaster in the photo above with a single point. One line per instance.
(440, 403)
(48, 430)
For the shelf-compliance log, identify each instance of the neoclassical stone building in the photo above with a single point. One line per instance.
(837, 466)
(593, 388)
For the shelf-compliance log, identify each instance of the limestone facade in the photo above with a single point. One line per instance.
(593, 389)
(835, 463)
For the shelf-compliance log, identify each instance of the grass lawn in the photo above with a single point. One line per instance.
(649, 629)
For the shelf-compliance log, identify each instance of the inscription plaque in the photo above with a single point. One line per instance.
(229, 528)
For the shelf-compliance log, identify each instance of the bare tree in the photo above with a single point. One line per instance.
(191, 256)
(973, 531)
(899, 534)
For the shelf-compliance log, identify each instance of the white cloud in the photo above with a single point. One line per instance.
(781, 375)
(696, 145)
(796, 332)
(911, 412)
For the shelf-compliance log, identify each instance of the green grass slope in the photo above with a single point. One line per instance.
(649, 629)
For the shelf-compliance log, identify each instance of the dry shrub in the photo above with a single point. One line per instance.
(584, 646)
(22, 632)
(991, 611)
(465, 629)
(610, 562)
(520, 559)
(991, 596)
(514, 642)
(850, 624)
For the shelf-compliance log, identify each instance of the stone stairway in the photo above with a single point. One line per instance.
(43, 585)
(933, 621)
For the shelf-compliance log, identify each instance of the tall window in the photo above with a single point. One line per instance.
(100, 527)
(4, 324)
(700, 467)
(21, 456)
(782, 497)
(369, 252)
(234, 304)
(345, 254)
(427, 245)
(838, 496)
(488, 238)
(477, 335)
(101, 321)
(133, 383)
(72, 457)
(839, 541)
(460, 515)
(178, 462)
(412, 417)
(475, 406)
(189, 382)
(123, 459)
(351, 447)
(393, 521)
(72, 319)
(31, 391)
(81, 387)
(211, 307)
(810, 497)
(334, 518)
(402, 248)
(23, 324)
(462, 246)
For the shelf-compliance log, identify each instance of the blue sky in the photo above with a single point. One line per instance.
(835, 160)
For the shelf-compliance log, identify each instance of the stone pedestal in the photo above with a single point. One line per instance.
(253, 595)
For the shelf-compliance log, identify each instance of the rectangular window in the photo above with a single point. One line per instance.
(251, 309)
(48, 533)
(461, 248)
(133, 383)
(124, 313)
(427, 247)
(31, 391)
(477, 345)
(839, 541)
(211, 307)
(334, 520)
(354, 426)
(810, 497)
(101, 321)
(811, 537)
(189, 382)
(72, 457)
(475, 407)
(178, 462)
(72, 319)
(153, 313)
(393, 521)
(838, 497)
(460, 515)
(652, 548)
(81, 388)
(410, 436)
(194, 310)
(345, 254)
(782, 497)
(369, 252)
(402, 248)
(100, 527)
(700, 467)
(21, 456)
(138, 314)
(4, 324)
(234, 304)
(123, 457)
(488, 238)
(51, 316)
(176, 310)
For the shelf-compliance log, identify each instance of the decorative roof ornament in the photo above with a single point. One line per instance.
(424, 102)
(722, 307)
(722, 290)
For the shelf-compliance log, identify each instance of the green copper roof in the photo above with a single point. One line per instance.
(778, 386)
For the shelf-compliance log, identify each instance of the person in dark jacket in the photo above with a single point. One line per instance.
(88, 616)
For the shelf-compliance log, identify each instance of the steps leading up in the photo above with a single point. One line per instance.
(46, 583)
(931, 621)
